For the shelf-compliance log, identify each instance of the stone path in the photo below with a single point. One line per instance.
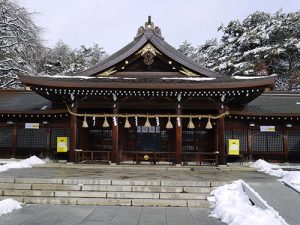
(283, 199)
(107, 215)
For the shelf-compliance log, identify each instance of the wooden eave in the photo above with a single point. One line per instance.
(146, 83)
(262, 114)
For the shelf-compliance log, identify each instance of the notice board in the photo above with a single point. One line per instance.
(62, 144)
(233, 146)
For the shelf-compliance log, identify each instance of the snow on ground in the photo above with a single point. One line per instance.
(26, 163)
(8, 205)
(292, 178)
(232, 205)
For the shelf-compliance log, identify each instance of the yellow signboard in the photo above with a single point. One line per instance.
(233, 146)
(62, 144)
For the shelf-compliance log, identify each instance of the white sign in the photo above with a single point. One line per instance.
(32, 125)
(151, 129)
(267, 128)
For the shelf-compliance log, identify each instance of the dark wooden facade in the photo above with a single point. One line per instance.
(148, 81)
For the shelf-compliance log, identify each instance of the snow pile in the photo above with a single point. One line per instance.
(26, 163)
(8, 205)
(263, 166)
(232, 205)
(292, 178)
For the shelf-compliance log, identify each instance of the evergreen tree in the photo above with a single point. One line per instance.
(261, 45)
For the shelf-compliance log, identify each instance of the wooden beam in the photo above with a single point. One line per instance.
(178, 139)
(73, 135)
(115, 138)
(221, 138)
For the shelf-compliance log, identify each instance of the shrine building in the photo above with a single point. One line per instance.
(148, 102)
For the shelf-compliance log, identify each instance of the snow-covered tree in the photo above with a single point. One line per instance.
(262, 44)
(61, 59)
(20, 43)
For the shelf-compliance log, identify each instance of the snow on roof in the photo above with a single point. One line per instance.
(252, 77)
(189, 78)
(66, 76)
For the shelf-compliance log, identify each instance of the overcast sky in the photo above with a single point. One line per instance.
(113, 23)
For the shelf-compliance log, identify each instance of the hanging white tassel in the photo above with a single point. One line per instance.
(157, 121)
(178, 121)
(115, 121)
(94, 121)
(136, 121)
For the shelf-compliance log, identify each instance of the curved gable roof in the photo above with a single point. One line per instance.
(152, 35)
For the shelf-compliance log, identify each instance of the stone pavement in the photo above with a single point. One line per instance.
(280, 197)
(276, 194)
(107, 215)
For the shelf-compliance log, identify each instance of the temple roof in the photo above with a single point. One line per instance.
(268, 104)
(272, 104)
(149, 63)
(150, 37)
(26, 102)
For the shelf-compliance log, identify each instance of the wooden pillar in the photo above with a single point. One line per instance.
(221, 138)
(249, 144)
(285, 145)
(178, 137)
(115, 137)
(14, 141)
(73, 135)
(48, 141)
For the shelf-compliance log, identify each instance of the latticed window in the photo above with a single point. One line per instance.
(164, 140)
(188, 141)
(238, 134)
(100, 139)
(32, 138)
(58, 132)
(6, 136)
(293, 140)
(267, 141)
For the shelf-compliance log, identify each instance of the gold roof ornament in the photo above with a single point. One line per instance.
(108, 72)
(188, 72)
(148, 48)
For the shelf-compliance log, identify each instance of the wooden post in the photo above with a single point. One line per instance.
(14, 141)
(115, 137)
(249, 144)
(178, 137)
(48, 141)
(73, 135)
(285, 145)
(221, 137)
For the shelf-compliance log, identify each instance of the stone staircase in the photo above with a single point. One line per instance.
(107, 192)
